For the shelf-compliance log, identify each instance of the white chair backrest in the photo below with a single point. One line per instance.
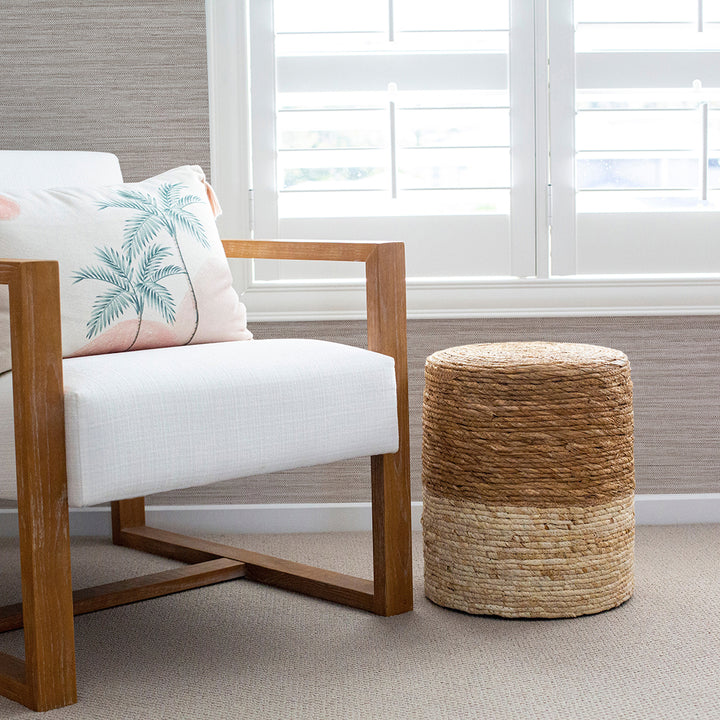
(39, 169)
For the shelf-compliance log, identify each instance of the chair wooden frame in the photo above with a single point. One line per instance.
(46, 678)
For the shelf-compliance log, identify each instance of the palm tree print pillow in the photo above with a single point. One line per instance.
(141, 264)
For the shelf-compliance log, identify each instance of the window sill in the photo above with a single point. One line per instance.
(575, 296)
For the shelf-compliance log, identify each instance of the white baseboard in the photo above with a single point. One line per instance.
(685, 509)
(335, 517)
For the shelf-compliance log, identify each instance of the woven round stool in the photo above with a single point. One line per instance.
(528, 479)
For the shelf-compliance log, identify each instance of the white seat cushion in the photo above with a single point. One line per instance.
(154, 420)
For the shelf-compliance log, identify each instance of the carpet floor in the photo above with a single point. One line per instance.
(242, 650)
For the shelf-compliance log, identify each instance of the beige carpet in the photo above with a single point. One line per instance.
(241, 650)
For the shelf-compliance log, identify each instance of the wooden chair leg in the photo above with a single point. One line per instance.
(392, 552)
(46, 679)
(47, 607)
(126, 514)
(387, 334)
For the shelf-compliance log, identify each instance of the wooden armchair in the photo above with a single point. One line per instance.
(46, 678)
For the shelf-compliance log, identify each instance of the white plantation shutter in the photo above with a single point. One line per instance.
(390, 119)
(645, 89)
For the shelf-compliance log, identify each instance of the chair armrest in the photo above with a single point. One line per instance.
(302, 249)
(385, 289)
(384, 273)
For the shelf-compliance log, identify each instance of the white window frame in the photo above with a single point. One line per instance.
(542, 295)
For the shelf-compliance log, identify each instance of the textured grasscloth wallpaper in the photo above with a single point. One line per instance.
(126, 77)
(674, 365)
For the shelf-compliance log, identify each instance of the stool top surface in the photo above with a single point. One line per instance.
(527, 355)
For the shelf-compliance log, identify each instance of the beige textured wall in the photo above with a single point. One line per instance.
(674, 363)
(125, 77)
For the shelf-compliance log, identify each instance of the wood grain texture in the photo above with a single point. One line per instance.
(126, 513)
(300, 250)
(285, 574)
(8, 270)
(42, 486)
(390, 474)
(123, 77)
(13, 683)
(145, 587)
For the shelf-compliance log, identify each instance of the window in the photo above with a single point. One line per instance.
(388, 120)
(642, 81)
(534, 156)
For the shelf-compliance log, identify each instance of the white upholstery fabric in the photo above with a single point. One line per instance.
(40, 169)
(154, 420)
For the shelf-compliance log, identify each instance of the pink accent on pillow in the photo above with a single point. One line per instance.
(119, 337)
(9, 209)
(221, 315)
(212, 199)
(224, 318)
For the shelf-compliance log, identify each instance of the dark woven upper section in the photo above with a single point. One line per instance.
(531, 424)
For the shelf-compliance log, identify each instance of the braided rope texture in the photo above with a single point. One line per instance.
(528, 479)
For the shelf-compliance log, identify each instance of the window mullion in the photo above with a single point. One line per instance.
(522, 140)
(230, 132)
(262, 80)
(393, 148)
(561, 41)
(543, 208)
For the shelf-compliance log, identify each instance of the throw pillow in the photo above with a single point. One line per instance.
(141, 264)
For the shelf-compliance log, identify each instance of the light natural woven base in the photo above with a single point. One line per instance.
(526, 561)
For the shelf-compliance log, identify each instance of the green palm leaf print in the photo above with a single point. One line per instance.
(136, 273)
(151, 216)
(141, 230)
(107, 307)
(131, 287)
